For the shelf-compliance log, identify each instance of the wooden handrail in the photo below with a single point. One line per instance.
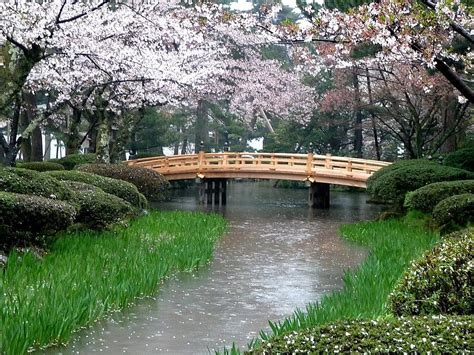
(325, 168)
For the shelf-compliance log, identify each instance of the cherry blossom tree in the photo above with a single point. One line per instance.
(407, 31)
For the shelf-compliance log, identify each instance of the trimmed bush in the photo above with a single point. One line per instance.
(406, 335)
(70, 161)
(31, 182)
(119, 188)
(455, 211)
(393, 185)
(462, 159)
(150, 183)
(40, 166)
(441, 281)
(427, 197)
(24, 217)
(373, 179)
(96, 208)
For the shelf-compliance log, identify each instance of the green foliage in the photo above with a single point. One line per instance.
(441, 281)
(99, 273)
(40, 166)
(427, 197)
(119, 188)
(150, 183)
(375, 177)
(26, 217)
(31, 182)
(462, 159)
(454, 211)
(96, 208)
(70, 161)
(391, 183)
(393, 245)
(405, 335)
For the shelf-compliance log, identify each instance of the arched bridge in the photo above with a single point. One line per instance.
(325, 169)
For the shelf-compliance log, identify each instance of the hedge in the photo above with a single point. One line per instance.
(122, 189)
(96, 208)
(70, 161)
(454, 211)
(437, 334)
(462, 158)
(24, 217)
(441, 281)
(40, 166)
(31, 182)
(393, 185)
(427, 197)
(375, 177)
(150, 183)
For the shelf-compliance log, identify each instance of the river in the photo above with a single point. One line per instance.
(277, 255)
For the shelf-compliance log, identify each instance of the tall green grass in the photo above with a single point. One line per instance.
(393, 244)
(87, 275)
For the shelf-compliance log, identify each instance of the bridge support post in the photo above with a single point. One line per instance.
(319, 195)
(213, 192)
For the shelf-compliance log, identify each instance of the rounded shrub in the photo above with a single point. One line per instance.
(439, 334)
(29, 182)
(427, 197)
(393, 185)
(375, 177)
(441, 281)
(96, 208)
(40, 166)
(119, 188)
(150, 183)
(24, 217)
(462, 159)
(454, 211)
(70, 161)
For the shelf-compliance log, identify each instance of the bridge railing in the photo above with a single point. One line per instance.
(305, 164)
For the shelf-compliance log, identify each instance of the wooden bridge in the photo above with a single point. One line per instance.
(317, 170)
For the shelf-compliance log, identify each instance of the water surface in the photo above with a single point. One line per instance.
(277, 255)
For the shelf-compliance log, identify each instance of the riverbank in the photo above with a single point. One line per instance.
(87, 275)
(393, 244)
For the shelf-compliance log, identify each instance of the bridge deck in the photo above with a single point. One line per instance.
(282, 166)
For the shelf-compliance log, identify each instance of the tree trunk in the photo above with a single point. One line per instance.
(73, 140)
(372, 116)
(202, 126)
(25, 146)
(36, 139)
(358, 138)
(184, 147)
(48, 140)
(103, 138)
(37, 145)
(449, 123)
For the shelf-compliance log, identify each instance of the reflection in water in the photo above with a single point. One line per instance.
(277, 256)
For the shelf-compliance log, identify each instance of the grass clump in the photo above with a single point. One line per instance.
(405, 335)
(87, 274)
(441, 281)
(119, 188)
(40, 166)
(393, 244)
(149, 182)
(427, 197)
